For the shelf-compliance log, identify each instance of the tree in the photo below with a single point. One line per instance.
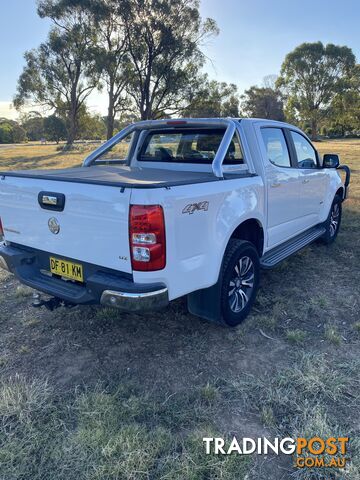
(5, 132)
(54, 128)
(345, 107)
(18, 133)
(209, 98)
(111, 56)
(310, 77)
(263, 102)
(33, 124)
(163, 41)
(91, 127)
(269, 81)
(61, 72)
(11, 131)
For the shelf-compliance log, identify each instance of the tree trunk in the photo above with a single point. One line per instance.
(111, 115)
(72, 128)
(314, 129)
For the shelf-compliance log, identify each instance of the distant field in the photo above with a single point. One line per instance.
(21, 157)
(91, 393)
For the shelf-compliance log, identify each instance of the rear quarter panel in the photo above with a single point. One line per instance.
(196, 242)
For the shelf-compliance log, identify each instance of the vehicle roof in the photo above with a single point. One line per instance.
(177, 122)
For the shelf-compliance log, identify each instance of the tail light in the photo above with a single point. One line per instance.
(147, 237)
(1, 230)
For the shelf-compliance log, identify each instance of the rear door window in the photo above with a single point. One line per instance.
(188, 146)
(275, 145)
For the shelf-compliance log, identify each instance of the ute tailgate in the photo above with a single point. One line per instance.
(93, 223)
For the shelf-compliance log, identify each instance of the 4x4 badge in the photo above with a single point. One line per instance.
(192, 207)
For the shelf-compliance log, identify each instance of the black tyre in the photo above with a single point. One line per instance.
(333, 221)
(240, 281)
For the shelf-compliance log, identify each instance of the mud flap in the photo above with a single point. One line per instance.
(206, 303)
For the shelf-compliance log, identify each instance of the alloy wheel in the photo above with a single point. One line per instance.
(241, 284)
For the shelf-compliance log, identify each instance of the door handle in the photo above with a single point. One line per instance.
(275, 184)
(306, 180)
(52, 201)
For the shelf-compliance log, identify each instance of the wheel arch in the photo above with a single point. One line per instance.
(340, 191)
(252, 231)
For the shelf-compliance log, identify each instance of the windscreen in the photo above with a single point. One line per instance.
(188, 146)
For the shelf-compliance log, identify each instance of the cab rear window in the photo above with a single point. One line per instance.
(188, 146)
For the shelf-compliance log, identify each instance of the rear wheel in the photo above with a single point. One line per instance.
(333, 221)
(240, 281)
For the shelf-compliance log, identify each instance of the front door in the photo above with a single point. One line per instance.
(282, 184)
(313, 181)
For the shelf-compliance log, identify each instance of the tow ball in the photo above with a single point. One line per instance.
(51, 304)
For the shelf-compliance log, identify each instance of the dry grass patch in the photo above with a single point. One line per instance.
(103, 435)
(311, 398)
(332, 334)
(24, 157)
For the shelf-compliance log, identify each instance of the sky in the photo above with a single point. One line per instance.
(255, 36)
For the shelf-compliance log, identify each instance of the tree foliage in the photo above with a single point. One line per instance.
(33, 124)
(147, 55)
(61, 72)
(11, 131)
(345, 108)
(163, 41)
(54, 128)
(263, 102)
(111, 55)
(210, 98)
(91, 127)
(311, 75)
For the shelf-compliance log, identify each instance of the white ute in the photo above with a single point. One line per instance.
(169, 208)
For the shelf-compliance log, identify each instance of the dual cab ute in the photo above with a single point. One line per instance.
(170, 208)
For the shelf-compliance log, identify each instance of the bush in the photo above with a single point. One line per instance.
(11, 132)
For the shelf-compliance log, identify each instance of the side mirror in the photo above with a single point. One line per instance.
(331, 160)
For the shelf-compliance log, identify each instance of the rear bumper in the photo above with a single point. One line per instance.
(100, 287)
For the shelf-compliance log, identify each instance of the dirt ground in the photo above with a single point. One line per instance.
(294, 357)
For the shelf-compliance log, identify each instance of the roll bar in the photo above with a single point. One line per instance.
(216, 166)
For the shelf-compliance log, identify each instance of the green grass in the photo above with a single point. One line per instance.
(295, 336)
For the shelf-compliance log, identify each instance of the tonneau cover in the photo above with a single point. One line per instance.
(118, 176)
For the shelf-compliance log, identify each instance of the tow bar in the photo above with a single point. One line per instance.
(51, 304)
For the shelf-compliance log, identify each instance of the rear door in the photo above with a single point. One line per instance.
(282, 183)
(93, 225)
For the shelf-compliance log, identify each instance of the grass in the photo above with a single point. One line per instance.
(41, 156)
(102, 435)
(309, 399)
(168, 379)
(23, 292)
(357, 327)
(332, 334)
(24, 349)
(295, 336)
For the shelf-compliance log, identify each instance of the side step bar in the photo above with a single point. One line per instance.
(278, 254)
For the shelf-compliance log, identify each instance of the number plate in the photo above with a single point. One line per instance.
(66, 269)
